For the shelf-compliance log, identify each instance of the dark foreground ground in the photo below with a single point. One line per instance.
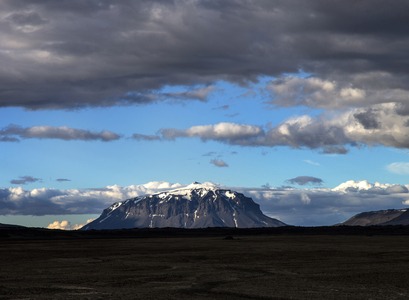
(189, 265)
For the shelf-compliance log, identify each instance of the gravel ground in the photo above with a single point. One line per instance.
(245, 267)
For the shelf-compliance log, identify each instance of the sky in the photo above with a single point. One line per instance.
(302, 105)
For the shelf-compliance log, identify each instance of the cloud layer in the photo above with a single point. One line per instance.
(14, 133)
(356, 72)
(25, 180)
(51, 62)
(45, 201)
(318, 206)
(335, 132)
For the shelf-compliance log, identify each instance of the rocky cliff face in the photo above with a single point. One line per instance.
(196, 206)
(380, 217)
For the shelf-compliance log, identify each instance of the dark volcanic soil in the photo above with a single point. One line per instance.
(245, 267)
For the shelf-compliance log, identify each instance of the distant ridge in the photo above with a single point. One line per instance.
(10, 226)
(380, 217)
(198, 205)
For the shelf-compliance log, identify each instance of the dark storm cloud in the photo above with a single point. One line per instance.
(78, 53)
(26, 19)
(13, 133)
(25, 180)
(303, 180)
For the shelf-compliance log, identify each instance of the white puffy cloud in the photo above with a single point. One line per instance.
(360, 185)
(66, 225)
(45, 201)
(314, 92)
(63, 225)
(229, 132)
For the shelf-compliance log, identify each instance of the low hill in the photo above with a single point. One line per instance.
(380, 217)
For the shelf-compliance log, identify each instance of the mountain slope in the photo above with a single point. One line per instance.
(196, 206)
(10, 226)
(380, 217)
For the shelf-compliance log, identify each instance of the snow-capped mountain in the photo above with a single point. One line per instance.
(195, 206)
(380, 217)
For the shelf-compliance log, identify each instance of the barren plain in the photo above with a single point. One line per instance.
(266, 266)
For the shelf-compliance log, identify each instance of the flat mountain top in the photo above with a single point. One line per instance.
(380, 217)
(199, 205)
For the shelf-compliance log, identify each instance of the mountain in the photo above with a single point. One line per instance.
(196, 206)
(380, 217)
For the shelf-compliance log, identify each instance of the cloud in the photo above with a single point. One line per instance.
(303, 180)
(219, 163)
(200, 94)
(66, 225)
(45, 201)
(305, 198)
(368, 119)
(310, 162)
(401, 168)
(152, 44)
(26, 21)
(362, 90)
(63, 225)
(25, 180)
(332, 133)
(226, 132)
(144, 137)
(62, 179)
(296, 133)
(314, 92)
(15, 133)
